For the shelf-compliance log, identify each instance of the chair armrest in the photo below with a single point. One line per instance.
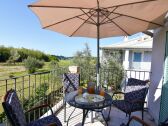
(138, 120)
(52, 124)
(148, 82)
(41, 106)
(137, 101)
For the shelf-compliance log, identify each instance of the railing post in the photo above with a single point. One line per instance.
(22, 90)
(34, 95)
(29, 97)
(15, 83)
(6, 83)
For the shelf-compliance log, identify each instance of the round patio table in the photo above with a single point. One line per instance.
(97, 106)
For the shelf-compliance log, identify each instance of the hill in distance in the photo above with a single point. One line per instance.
(62, 57)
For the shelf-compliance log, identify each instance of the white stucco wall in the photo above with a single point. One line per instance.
(157, 72)
(126, 59)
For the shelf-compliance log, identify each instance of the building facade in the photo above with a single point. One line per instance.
(135, 54)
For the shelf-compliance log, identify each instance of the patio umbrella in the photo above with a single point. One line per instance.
(100, 18)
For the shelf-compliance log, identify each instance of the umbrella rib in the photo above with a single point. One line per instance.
(89, 22)
(131, 3)
(138, 19)
(88, 15)
(110, 19)
(116, 25)
(47, 6)
(64, 20)
(108, 15)
(81, 25)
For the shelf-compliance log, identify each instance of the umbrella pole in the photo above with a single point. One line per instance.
(98, 60)
(98, 44)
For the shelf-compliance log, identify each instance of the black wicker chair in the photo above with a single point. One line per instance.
(134, 96)
(71, 83)
(16, 116)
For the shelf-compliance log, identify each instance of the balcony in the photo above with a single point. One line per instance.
(46, 87)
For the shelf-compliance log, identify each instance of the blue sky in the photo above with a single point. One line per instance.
(19, 27)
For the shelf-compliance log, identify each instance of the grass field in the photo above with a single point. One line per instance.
(27, 84)
(65, 63)
(19, 70)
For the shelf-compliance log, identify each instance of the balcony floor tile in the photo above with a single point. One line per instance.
(117, 117)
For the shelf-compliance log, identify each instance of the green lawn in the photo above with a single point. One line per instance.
(65, 63)
(7, 71)
(19, 70)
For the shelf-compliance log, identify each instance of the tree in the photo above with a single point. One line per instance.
(31, 64)
(54, 64)
(14, 56)
(53, 57)
(4, 53)
(115, 69)
(84, 60)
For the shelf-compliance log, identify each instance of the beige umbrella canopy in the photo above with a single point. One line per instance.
(100, 18)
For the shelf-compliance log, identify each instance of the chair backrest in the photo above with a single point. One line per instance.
(71, 81)
(138, 93)
(136, 89)
(136, 82)
(13, 109)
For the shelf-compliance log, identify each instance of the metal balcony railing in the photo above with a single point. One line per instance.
(46, 87)
(35, 89)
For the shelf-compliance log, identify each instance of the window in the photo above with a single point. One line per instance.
(147, 56)
(137, 57)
